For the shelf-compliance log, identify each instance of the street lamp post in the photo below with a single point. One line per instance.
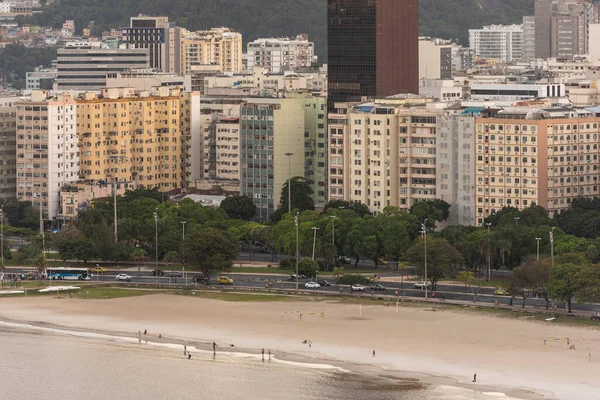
(517, 220)
(114, 189)
(183, 227)
(333, 217)
(296, 220)
(156, 245)
(424, 232)
(489, 252)
(538, 248)
(552, 246)
(315, 229)
(289, 156)
(2, 236)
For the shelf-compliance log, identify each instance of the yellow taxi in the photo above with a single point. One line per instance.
(500, 292)
(223, 280)
(381, 261)
(99, 270)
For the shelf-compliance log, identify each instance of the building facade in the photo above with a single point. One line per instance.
(47, 149)
(528, 37)
(133, 138)
(281, 54)
(85, 67)
(373, 48)
(8, 152)
(217, 48)
(498, 42)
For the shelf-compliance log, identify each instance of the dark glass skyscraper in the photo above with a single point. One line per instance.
(373, 48)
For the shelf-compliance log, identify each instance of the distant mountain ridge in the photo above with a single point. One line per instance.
(449, 19)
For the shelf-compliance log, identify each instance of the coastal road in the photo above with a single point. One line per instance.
(448, 292)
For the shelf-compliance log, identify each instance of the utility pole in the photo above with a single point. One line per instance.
(156, 245)
(114, 189)
(289, 156)
(538, 248)
(42, 229)
(517, 220)
(489, 253)
(333, 217)
(296, 220)
(424, 232)
(183, 224)
(315, 229)
(2, 237)
(552, 246)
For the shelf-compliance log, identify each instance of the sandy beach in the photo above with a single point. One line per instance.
(442, 347)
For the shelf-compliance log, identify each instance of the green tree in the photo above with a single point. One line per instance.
(301, 197)
(73, 245)
(466, 277)
(441, 258)
(209, 251)
(564, 282)
(359, 208)
(588, 283)
(521, 282)
(139, 256)
(239, 207)
(308, 267)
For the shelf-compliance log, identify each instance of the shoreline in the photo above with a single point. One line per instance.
(340, 341)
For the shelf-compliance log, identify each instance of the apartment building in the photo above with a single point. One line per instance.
(534, 156)
(220, 48)
(8, 152)
(528, 37)
(498, 42)
(281, 54)
(435, 58)
(383, 153)
(222, 145)
(47, 152)
(133, 138)
(270, 130)
(84, 66)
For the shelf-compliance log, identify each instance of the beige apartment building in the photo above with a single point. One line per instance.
(220, 47)
(383, 153)
(534, 156)
(135, 138)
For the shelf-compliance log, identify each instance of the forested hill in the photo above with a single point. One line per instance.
(448, 19)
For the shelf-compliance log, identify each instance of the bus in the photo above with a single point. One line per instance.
(68, 273)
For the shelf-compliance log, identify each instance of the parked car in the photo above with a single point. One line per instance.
(123, 277)
(357, 288)
(501, 292)
(323, 282)
(377, 286)
(223, 280)
(345, 260)
(160, 272)
(312, 285)
(422, 285)
(174, 274)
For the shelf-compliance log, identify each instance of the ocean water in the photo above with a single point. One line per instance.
(43, 364)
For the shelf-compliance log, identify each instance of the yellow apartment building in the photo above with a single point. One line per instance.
(221, 47)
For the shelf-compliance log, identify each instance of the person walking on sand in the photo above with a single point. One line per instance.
(373, 353)
(269, 354)
(184, 349)
(189, 355)
(263, 354)
(310, 343)
(474, 377)
(214, 347)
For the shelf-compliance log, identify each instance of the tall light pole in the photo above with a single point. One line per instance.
(2, 237)
(333, 217)
(538, 248)
(42, 229)
(489, 252)
(289, 156)
(183, 225)
(552, 245)
(424, 232)
(315, 229)
(296, 220)
(517, 220)
(156, 245)
(114, 189)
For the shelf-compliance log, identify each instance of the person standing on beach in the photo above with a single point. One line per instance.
(474, 377)
(263, 354)
(269, 354)
(189, 355)
(184, 349)
(214, 347)
(310, 343)
(373, 353)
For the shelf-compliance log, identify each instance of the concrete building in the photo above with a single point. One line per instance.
(435, 58)
(498, 42)
(384, 152)
(528, 37)
(270, 128)
(78, 196)
(135, 138)
(40, 80)
(373, 48)
(526, 157)
(562, 27)
(219, 48)
(84, 66)
(8, 152)
(281, 54)
(160, 37)
(47, 151)
(145, 80)
(515, 91)
(442, 90)
(594, 43)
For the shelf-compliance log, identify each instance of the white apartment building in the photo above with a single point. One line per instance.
(528, 37)
(512, 92)
(281, 54)
(435, 58)
(441, 89)
(498, 42)
(47, 151)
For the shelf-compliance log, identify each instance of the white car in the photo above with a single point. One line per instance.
(421, 285)
(312, 285)
(123, 277)
(357, 288)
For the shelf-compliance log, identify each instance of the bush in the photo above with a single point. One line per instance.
(352, 280)
(287, 263)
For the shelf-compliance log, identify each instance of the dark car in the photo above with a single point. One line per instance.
(174, 274)
(293, 277)
(160, 272)
(323, 282)
(377, 286)
(201, 279)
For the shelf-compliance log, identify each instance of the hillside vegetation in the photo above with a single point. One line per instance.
(449, 19)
